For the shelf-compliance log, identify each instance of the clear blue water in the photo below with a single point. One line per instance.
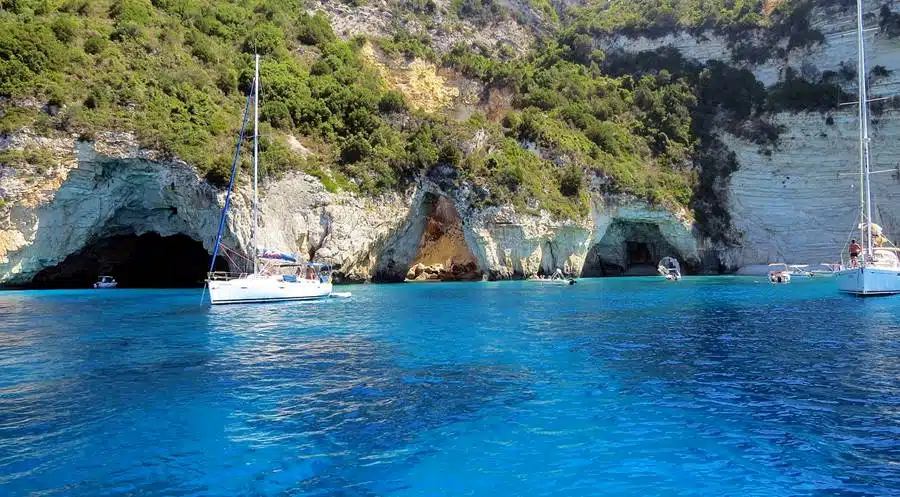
(712, 386)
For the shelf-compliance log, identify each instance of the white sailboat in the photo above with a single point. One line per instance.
(877, 272)
(276, 275)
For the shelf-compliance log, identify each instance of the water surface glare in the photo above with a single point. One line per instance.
(711, 386)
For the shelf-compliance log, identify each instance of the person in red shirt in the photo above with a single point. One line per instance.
(855, 250)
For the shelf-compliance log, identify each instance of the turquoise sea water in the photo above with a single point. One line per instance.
(711, 386)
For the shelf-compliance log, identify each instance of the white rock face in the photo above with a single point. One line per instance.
(122, 192)
(508, 244)
(112, 188)
(801, 204)
(100, 196)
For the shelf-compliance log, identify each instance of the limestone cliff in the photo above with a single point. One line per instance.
(799, 201)
(111, 188)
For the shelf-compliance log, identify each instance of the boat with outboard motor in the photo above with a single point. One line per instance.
(669, 268)
(106, 282)
(780, 273)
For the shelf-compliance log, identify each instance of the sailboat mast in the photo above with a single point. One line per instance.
(864, 125)
(255, 162)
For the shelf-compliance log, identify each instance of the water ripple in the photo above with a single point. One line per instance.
(623, 387)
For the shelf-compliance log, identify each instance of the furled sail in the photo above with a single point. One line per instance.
(278, 255)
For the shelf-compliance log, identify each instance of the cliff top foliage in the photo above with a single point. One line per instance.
(176, 73)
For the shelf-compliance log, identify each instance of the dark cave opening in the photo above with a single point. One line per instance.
(628, 248)
(144, 261)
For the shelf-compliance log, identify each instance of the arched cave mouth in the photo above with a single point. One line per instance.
(135, 261)
(628, 248)
(443, 254)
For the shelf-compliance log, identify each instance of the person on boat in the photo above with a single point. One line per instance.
(310, 274)
(855, 250)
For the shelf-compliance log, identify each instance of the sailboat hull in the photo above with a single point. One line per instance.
(869, 281)
(266, 289)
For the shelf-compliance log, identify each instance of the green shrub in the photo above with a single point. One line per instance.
(95, 44)
(392, 101)
(571, 181)
(314, 29)
(127, 31)
(408, 45)
(139, 12)
(797, 94)
(264, 39)
(888, 21)
(479, 11)
(355, 149)
(65, 27)
(449, 155)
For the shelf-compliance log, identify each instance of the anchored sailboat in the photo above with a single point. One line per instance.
(276, 275)
(877, 270)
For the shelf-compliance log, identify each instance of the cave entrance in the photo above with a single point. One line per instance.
(443, 254)
(135, 261)
(628, 248)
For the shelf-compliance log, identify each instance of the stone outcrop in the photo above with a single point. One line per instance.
(111, 188)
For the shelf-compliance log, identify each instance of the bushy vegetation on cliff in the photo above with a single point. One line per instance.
(176, 73)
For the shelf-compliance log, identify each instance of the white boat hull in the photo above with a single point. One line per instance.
(869, 281)
(106, 285)
(259, 289)
(551, 282)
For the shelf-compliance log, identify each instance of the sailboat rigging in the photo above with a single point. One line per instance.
(878, 271)
(276, 275)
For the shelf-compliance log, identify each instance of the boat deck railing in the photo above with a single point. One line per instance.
(224, 276)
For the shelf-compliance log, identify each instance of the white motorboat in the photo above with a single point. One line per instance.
(780, 273)
(106, 282)
(826, 270)
(876, 271)
(557, 278)
(276, 275)
(669, 268)
(800, 271)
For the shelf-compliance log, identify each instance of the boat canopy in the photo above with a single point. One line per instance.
(278, 255)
